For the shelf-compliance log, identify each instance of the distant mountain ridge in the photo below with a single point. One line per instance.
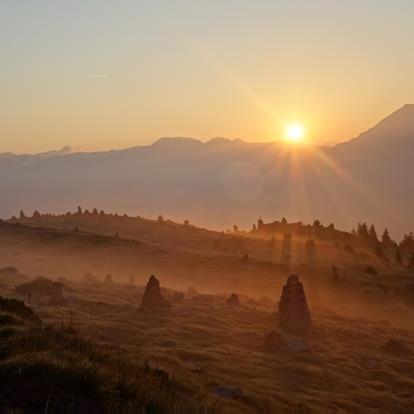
(224, 182)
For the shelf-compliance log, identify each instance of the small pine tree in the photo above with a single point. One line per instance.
(411, 263)
(398, 258)
(362, 231)
(373, 237)
(317, 224)
(379, 252)
(160, 219)
(386, 239)
(22, 215)
(36, 214)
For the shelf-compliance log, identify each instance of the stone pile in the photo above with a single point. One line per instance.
(294, 315)
(233, 300)
(153, 301)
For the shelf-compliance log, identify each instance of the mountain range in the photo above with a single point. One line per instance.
(224, 182)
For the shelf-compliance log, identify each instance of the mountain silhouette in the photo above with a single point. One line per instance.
(224, 182)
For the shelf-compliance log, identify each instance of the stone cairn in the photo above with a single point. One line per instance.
(287, 249)
(233, 300)
(153, 300)
(56, 298)
(310, 252)
(294, 315)
(335, 278)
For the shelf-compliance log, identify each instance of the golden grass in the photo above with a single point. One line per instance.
(209, 346)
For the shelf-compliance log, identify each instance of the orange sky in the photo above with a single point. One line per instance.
(100, 75)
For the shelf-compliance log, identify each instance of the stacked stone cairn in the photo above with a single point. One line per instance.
(153, 301)
(294, 315)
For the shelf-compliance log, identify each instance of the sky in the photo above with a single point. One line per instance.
(99, 74)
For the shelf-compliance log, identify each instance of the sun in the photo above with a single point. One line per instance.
(295, 133)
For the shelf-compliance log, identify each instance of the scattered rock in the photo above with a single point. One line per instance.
(395, 347)
(274, 342)
(265, 301)
(57, 299)
(153, 300)
(297, 346)
(233, 300)
(18, 308)
(10, 275)
(227, 392)
(371, 270)
(294, 315)
(88, 277)
(9, 271)
(192, 291)
(40, 287)
(178, 297)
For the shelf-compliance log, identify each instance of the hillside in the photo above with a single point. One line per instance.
(49, 369)
(185, 256)
(217, 351)
(96, 348)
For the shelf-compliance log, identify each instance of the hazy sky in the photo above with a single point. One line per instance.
(96, 74)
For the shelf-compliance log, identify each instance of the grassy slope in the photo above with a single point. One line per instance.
(208, 346)
(183, 256)
(45, 368)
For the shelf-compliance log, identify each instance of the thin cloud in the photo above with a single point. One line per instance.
(97, 75)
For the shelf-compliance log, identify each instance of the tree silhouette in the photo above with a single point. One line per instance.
(386, 239)
(373, 237)
(398, 258)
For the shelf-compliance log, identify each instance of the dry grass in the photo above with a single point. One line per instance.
(209, 346)
(213, 350)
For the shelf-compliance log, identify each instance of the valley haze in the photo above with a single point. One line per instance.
(224, 182)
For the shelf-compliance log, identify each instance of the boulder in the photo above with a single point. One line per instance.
(88, 277)
(274, 342)
(395, 347)
(178, 297)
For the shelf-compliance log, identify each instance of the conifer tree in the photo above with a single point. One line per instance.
(398, 258)
(386, 239)
(373, 235)
(411, 263)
